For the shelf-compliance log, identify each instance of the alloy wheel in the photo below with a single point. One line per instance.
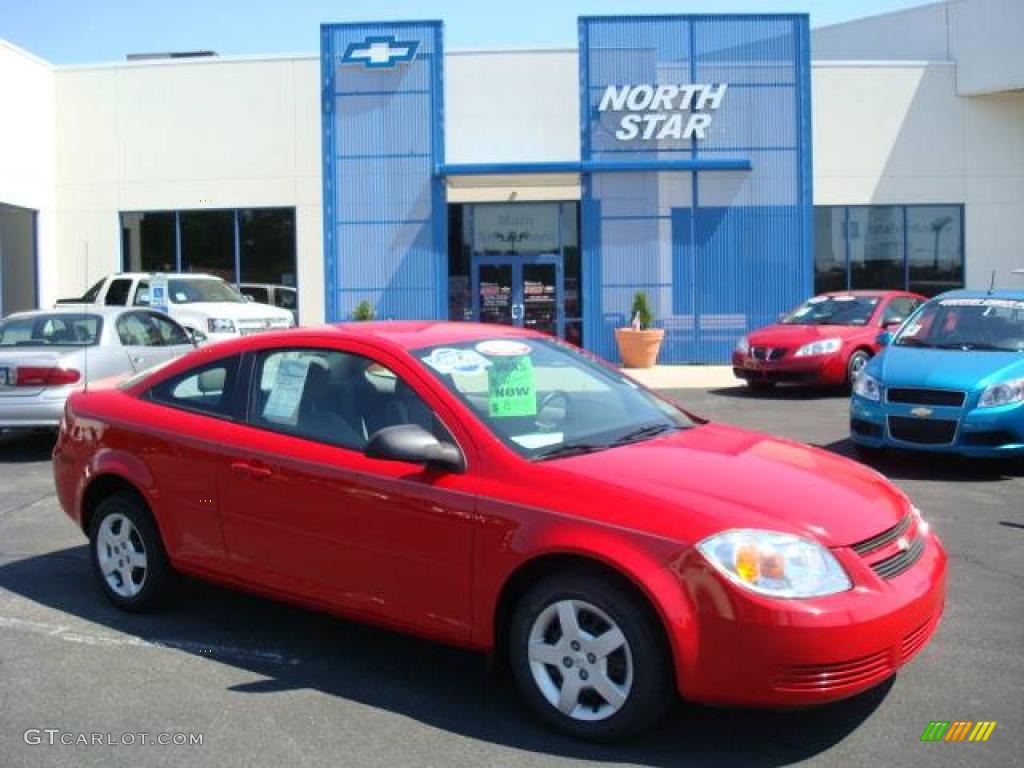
(121, 553)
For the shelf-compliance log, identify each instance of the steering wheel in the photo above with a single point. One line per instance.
(547, 400)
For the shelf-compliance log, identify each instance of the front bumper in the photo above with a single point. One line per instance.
(756, 651)
(980, 432)
(817, 369)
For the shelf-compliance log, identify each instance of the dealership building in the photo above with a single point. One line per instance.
(728, 165)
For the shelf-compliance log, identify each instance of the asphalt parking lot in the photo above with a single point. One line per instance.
(266, 683)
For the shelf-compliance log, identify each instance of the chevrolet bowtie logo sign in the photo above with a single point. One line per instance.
(383, 52)
(921, 413)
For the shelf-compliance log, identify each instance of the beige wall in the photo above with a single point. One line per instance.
(27, 148)
(898, 133)
(186, 135)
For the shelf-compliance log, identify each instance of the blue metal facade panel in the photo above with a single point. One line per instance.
(718, 252)
(385, 237)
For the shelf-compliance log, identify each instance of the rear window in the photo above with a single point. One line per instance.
(54, 330)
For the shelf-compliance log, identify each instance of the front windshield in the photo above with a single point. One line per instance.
(544, 399)
(183, 290)
(58, 329)
(985, 324)
(833, 310)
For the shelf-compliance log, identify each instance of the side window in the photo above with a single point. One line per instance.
(117, 293)
(208, 389)
(141, 294)
(170, 333)
(136, 329)
(897, 311)
(255, 293)
(334, 397)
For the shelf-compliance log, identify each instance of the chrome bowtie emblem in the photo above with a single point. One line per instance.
(381, 52)
(921, 413)
(902, 544)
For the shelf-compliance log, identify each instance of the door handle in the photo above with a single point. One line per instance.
(252, 470)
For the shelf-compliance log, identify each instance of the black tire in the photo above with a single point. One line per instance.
(759, 385)
(152, 585)
(857, 361)
(652, 689)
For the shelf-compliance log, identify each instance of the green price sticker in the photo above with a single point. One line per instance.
(511, 388)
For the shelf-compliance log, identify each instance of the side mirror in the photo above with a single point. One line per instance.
(884, 339)
(412, 443)
(198, 338)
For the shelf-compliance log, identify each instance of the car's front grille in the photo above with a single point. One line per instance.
(826, 677)
(767, 353)
(912, 396)
(249, 327)
(893, 566)
(914, 641)
(885, 537)
(922, 431)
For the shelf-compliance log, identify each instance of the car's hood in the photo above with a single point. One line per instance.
(945, 368)
(779, 335)
(714, 477)
(229, 310)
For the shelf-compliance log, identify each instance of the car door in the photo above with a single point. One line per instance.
(144, 341)
(305, 511)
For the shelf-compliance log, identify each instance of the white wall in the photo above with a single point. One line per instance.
(897, 132)
(27, 148)
(985, 39)
(192, 135)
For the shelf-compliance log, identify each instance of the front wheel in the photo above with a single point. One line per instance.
(858, 360)
(590, 659)
(128, 557)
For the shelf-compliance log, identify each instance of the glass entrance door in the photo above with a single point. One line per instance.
(524, 291)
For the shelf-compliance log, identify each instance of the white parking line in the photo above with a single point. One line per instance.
(71, 635)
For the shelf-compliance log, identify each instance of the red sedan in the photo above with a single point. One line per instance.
(826, 340)
(498, 490)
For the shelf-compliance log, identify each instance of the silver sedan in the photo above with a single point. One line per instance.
(45, 355)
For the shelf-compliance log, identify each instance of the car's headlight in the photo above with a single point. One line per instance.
(820, 347)
(742, 345)
(219, 325)
(1003, 393)
(867, 386)
(775, 564)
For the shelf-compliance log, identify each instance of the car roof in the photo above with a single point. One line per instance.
(868, 292)
(1001, 293)
(80, 309)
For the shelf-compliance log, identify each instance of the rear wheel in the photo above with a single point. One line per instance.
(128, 557)
(589, 658)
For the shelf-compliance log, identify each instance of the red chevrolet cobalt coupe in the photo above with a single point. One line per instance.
(499, 490)
(826, 340)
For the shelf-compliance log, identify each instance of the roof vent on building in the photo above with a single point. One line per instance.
(170, 55)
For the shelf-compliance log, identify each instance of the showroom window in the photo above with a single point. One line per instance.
(248, 246)
(909, 247)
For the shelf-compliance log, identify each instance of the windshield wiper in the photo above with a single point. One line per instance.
(569, 449)
(642, 433)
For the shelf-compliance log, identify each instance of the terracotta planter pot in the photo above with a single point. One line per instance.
(639, 349)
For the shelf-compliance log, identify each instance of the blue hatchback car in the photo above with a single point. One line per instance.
(950, 380)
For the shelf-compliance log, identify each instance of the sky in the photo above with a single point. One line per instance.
(91, 31)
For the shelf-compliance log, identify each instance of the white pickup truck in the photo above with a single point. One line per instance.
(207, 306)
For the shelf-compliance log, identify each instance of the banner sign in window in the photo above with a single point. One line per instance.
(511, 388)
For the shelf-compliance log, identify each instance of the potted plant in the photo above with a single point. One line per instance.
(639, 343)
(363, 311)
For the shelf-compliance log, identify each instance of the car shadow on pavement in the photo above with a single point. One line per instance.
(24, 447)
(289, 649)
(781, 393)
(921, 465)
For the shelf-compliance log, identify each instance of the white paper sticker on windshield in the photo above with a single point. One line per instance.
(283, 404)
(1002, 303)
(464, 361)
(502, 348)
(911, 330)
(532, 442)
